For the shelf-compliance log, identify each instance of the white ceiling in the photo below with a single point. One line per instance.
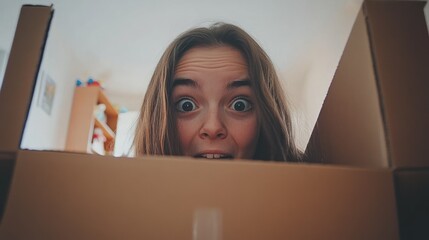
(120, 42)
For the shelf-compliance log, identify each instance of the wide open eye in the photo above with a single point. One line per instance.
(186, 105)
(241, 105)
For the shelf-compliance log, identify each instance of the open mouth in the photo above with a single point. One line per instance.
(214, 156)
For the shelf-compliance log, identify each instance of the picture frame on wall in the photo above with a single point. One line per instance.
(47, 93)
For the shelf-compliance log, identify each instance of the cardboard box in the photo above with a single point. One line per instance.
(376, 112)
(79, 196)
(66, 195)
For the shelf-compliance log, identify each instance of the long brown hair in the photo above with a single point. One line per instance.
(156, 127)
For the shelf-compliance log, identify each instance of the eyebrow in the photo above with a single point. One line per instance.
(194, 84)
(238, 83)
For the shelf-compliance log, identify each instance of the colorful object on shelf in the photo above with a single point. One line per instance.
(98, 140)
(120, 109)
(99, 112)
(91, 82)
(79, 83)
(123, 109)
(98, 135)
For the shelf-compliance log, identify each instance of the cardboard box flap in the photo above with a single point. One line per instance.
(80, 196)
(21, 73)
(400, 42)
(376, 112)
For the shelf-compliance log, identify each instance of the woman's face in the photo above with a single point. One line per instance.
(215, 104)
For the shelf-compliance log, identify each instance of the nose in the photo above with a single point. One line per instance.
(213, 127)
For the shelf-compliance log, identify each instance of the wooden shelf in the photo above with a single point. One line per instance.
(83, 121)
(108, 133)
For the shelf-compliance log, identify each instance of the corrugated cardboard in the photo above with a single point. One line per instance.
(376, 112)
(401, 49)
(21, 73)
(78, 196)
(400, 43)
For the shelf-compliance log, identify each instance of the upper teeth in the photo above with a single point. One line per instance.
(211, 155)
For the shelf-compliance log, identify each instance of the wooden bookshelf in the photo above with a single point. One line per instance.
(83, 122)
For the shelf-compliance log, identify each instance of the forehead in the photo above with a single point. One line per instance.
(212, 58)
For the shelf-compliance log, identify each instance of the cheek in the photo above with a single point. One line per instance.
(246, 134)
(185, 132)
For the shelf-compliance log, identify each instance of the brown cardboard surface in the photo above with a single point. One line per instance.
(21, 71)
(376, 113)
(349, 129)
(400, 42)
(77, 196)
(412, 190)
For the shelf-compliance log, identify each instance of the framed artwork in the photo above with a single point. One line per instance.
(47, 93)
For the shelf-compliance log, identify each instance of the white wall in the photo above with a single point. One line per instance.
(307, 72)
(8, 20)
(3, 60)
(45, 131)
